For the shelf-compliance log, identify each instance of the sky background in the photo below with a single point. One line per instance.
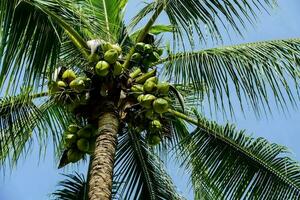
(34, 180)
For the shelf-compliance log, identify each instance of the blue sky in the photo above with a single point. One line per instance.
(33, 180)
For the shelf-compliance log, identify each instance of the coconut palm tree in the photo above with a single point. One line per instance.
(76, 73)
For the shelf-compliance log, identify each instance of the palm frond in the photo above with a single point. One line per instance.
(237, 165)
(106, 17)
(203, 188)
(251, 72)
(74, 187)
(139, 172)
(149, 7)
(23, 120)
(206, 18)
(31, 39)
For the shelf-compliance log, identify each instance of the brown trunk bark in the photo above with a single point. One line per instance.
(100, 179)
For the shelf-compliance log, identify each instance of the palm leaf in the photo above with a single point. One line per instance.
(23, 120)
(139, 172)
(31, 39)
(237, 165)
(251, 72)
(206, 18)
(107, 17)
(74, 187)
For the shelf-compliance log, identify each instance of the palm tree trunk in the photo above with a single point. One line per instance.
(100, 179)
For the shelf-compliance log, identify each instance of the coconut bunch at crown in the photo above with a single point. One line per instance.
(134, 90)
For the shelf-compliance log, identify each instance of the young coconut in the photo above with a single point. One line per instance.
(160, 105)
(150, 114)
(154, 57)
(117, 47)
(74, 155)
(118, 68)
(155, 125)
(153, 139)
(77, 85)
(92, 146)
(93, 58)
(61, 85)
(102, 68)
(163, 88)
(73, 128)
(136, 57)
(111, 56)
(147, 100)
(106, 46)
(148, 48)
(69, 139)
(149, 86)
(83, 145)
(68, 76)
(84, 133)
(137, 90)
(139, 47)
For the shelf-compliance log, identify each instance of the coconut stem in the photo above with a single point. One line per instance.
(135, 73)
(144, 77)
(101, 173)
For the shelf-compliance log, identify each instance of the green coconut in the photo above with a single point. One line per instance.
(77, 85)
(140, 98)
(73, 128)
(149, 86)
(154, 139)
(87, 81)
(102, 68)
(150, 114)
(61, 84)
(148, 48)
(160, 105)
(74, 155)
(69, 75)
(155, 125)
(84, 133)
(163, 88)
(136, 57)
(137, 90)
(154, 57)
(83, 145)
(93, 58)
(139, 47)
(147, 100)
(92, 146)
(117, 47)
(111, 56)
(118, 68)
(146, 63)
(69, 139)
(106, 46)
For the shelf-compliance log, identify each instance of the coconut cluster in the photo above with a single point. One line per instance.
(70, 89)
(145, 55)
(152, 96)
(105, 84)
(79, 141)
(110, 62)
